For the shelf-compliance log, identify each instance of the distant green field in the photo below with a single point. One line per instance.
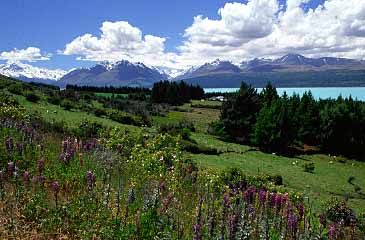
(111, 94)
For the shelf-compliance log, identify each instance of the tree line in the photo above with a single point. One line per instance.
(175, 93)
(109, 89)
(283, 123)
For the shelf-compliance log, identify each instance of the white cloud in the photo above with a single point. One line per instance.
(30, 54)
(120, 40)
(262, 28)
(259, 28)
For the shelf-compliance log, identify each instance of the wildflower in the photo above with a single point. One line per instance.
(34, 179)
(278, 201)
(196, 230)
(292, 221)
(300, 208)
(322, 219)
(41, 180)
(262, 196)
(40, 165)
(233, 221)
(226, 200)
(332, 231)
(91, 180)
(26, 178)
(251, 210)
(11, 169)
(81, 159)
(56, 187)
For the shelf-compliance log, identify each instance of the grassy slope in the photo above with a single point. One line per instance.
(72, 118)
(328, 178)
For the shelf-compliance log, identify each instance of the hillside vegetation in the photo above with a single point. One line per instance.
(80, 165)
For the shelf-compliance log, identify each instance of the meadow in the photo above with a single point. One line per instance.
(71, 173)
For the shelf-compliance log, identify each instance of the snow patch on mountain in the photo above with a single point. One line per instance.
(21, 70)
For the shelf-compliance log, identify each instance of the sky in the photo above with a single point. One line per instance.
(65, 34)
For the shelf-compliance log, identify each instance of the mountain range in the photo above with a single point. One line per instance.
(291, 70)
(29, 73)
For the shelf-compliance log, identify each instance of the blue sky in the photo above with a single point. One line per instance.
(50, 25)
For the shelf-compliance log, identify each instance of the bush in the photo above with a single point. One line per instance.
(182, 128)
(16, 89)
(337, 211)
(32, 97)
(67, 105)
(197, 149)
(89, 128)
(124, 118)
(55, 100)
(308, 167)
(100, 112)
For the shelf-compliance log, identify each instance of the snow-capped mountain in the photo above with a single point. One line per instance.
(121, 73)
(30, 73)
(215, 67)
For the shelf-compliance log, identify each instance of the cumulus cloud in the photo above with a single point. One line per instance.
(263, 28)
(241, 31)
(30, 54)
(120, 40)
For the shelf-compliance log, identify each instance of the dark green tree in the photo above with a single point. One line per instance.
(238, 113)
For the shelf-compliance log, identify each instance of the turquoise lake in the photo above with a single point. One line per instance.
(318, 93)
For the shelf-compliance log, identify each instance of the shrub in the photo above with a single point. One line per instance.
(100, 112)
(308, 167)
(55, 100)
(32, 97)
(16, 89)
(67, 104)
(197, 149)
(337, 211)
(89, 128)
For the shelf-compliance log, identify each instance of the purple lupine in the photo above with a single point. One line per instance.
(91, 180)
(251, 210)
(9, 144)
(332, 231)
(42, 180)
(245, 196)
(300, 208)
(322, 219)
(11, 169)
(232, 223)
(26, 178)
(251, 194)
(292, 222)
(19, 147)
(56, 189)
(278, 202)
(196, 231)
(225, 200)
(40, 166)
(272, 197)
(262, 196)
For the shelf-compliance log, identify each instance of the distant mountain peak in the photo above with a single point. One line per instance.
(28, 72)
(118, 73)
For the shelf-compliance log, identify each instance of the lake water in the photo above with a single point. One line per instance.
(318, 93)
